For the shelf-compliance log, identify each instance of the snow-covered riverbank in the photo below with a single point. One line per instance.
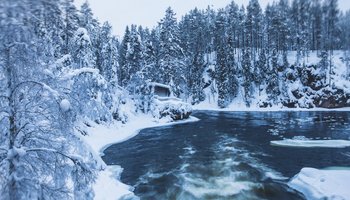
(238, 107)
(332, 183)
(100, 136)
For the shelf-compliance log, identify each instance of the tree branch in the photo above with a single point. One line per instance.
(70, 157)
(43, 85)
(23, 83)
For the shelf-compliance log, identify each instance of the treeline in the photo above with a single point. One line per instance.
(248, 46)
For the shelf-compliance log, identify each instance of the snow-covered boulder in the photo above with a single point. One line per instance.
(172, 107)
(332, 98)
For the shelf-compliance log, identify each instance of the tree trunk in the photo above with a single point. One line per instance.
(12, 124)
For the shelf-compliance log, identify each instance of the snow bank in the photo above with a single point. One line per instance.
(100, 136)
(311, 143)
(322, 184)
(108, 187)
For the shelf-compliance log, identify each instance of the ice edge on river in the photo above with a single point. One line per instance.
(311, 143)
(238, 107)
(322, 184)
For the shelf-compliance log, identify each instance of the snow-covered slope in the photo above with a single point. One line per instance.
(301, 86)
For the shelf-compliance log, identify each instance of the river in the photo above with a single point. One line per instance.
(227, 155)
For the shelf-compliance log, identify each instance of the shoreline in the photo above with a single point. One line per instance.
(100, 136)
(137, 130)
(270, 109)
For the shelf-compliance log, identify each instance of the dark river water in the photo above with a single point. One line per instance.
(227, 155)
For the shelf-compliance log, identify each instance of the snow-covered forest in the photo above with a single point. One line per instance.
(61, 68)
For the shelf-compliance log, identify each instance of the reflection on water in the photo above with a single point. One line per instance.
(227, 155)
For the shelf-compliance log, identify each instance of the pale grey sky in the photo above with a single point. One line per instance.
(148, 12)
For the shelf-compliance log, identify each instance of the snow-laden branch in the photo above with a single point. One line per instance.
(77, 72)
(73, 158)
(43, 85)
(24, 83)
(52, 91)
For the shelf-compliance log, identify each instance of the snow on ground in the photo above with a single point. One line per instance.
(311, 143)
(332, 183)
(108, 187)
(100, 136)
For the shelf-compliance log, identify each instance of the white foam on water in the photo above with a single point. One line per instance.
(223, 177)
(190, 150)
(218, 186)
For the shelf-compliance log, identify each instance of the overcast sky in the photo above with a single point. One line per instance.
(148, 12)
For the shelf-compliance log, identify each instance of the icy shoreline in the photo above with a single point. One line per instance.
(242, 108)
(322, 183)
(100, 137)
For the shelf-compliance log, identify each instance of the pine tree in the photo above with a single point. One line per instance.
(242, 32)
(87, 21)
(316, 19)
(253, 26)
(222, 68)
(123, 72)
(82, 50)
(151, 55)
(272, 88)
(330, 32)
(261, 69)
(247, 70)
(194, 45)
(284, 23)
(231, 47)
(71, 19)
(170, 53)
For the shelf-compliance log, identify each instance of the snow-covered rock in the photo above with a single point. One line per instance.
(172, 107)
